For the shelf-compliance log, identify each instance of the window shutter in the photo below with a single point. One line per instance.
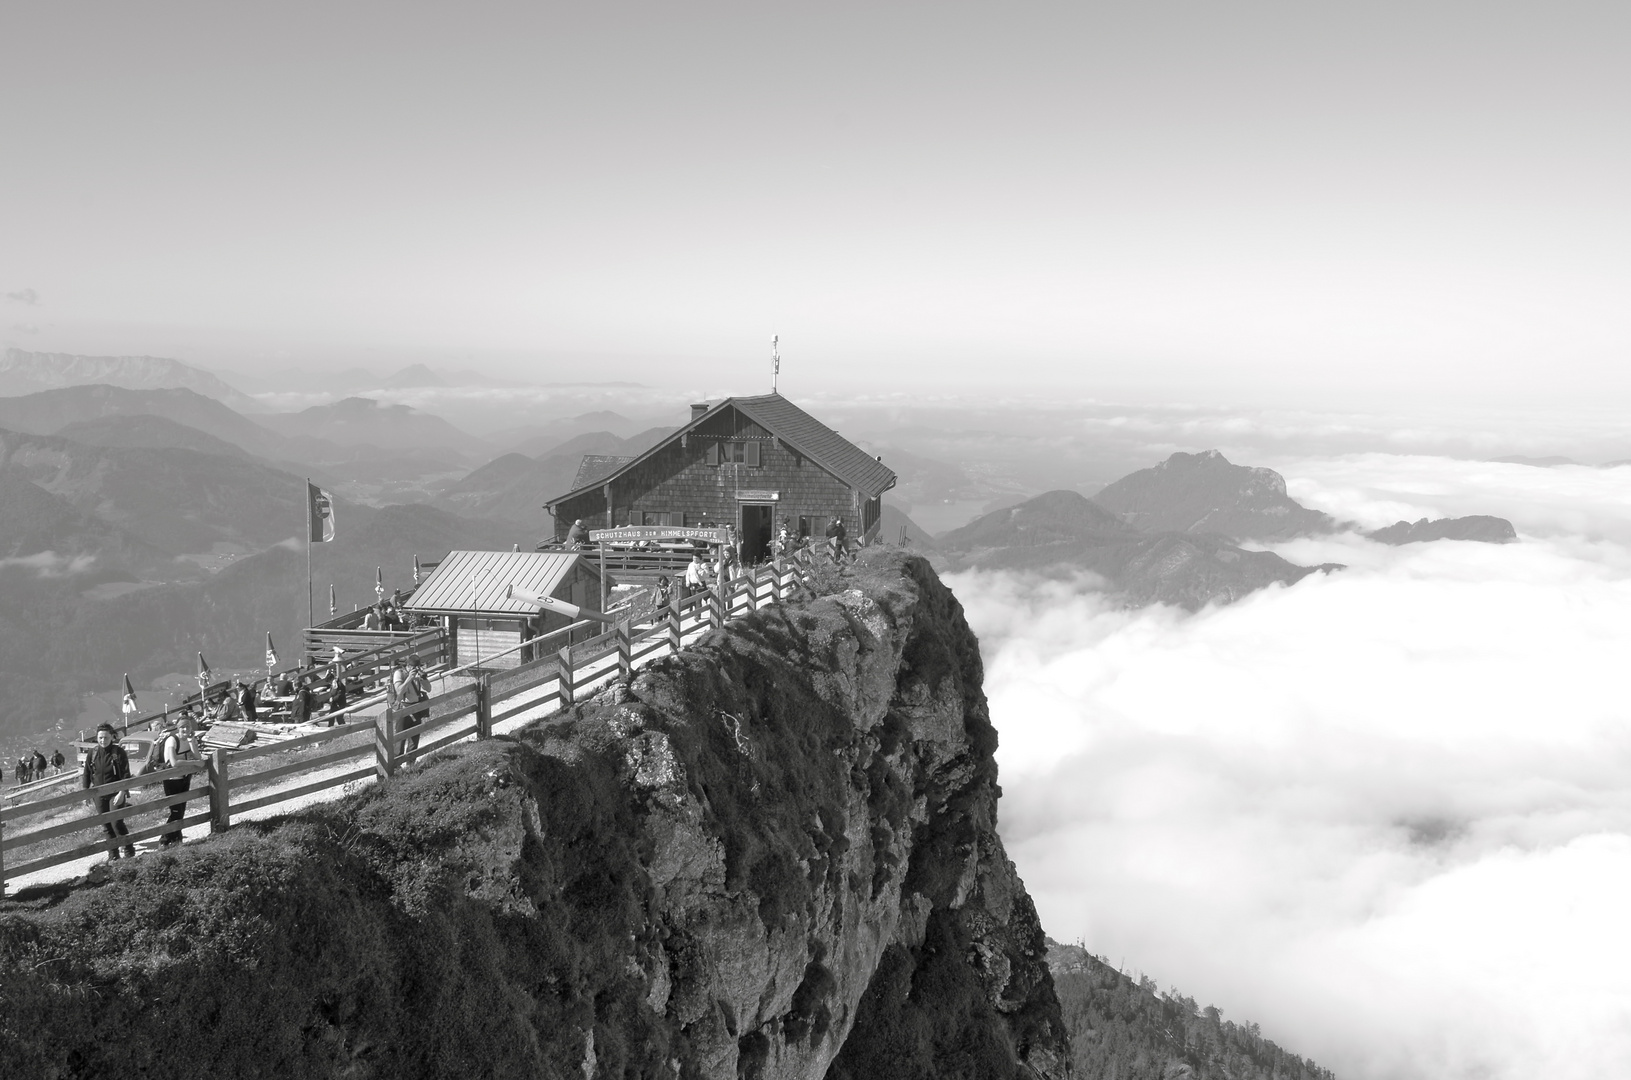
(713, 453)
(753, 455)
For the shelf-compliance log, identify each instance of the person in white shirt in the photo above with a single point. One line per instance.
(695, 575)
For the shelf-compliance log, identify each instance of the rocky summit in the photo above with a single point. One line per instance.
(1206, 493)
(773, 856)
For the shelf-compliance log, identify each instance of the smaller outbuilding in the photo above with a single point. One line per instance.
(469, 591)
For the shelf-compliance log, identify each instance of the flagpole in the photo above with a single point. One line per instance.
(311, 619)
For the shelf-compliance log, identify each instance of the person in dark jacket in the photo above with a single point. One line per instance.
(245, 693)
(300, 709)
(107, 764)
(175, 747)
(577, 535)
(334, 698)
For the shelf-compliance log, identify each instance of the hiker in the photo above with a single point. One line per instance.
(176, 746)
(107, 763)
(226, 708)
(301, 707)
(244, 693)
(39, 765)
(577, 535)
(665, 593)
(782, 545)
(57, 762)
(21, 772)
(835, 539)
(412, 687)
(695, 575)
(374, 620)
(334, 698)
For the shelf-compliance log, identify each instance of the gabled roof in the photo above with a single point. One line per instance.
(478, 580)
(793, 426)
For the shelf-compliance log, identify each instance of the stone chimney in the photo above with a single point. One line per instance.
(698, 409)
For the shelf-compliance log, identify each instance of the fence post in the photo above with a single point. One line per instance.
(675, 638)
(716, 607)
(564, 657)
(625, 665)
(484, 706)
(385, 745)
(2, 860)
(753, 588)
(220, 792)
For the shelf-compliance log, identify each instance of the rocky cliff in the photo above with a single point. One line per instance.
(773, 856)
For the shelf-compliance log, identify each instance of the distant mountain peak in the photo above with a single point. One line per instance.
(1207, 493)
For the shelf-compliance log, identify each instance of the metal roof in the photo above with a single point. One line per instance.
(793, 426)
(477, 581)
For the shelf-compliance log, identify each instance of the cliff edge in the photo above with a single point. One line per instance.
(772, 856)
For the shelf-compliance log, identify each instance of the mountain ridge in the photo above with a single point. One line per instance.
(24, 372)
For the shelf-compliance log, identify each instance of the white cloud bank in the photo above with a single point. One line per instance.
(1386, 813)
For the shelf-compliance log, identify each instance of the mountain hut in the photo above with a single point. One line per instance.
(747, 462)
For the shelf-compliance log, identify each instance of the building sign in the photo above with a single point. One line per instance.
(758, 496)
(625, 533)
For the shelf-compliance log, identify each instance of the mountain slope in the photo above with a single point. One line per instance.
(514, 487)
(23, 372)
(1205, 493)
(180, 501)
(147, 433)
(1129, 1030)
(360, 421)
(1064, 531)
(49, 411)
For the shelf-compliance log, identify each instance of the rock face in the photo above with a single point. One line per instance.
(773, 856)
(1206, 493)
(1481, 527)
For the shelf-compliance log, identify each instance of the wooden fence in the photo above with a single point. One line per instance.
(559, 674)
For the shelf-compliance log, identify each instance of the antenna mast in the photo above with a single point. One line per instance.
(776, 359)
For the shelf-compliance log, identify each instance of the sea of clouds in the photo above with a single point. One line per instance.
(1385, 813)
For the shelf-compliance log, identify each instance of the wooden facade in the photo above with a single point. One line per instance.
(751, 463)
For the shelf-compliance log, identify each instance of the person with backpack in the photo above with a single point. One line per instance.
(57, 762)
(107, 763)
(39, 765)
(171, 749)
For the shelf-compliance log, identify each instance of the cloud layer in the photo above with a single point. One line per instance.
(1384, 813)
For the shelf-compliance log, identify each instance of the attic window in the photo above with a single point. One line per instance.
(741, 453)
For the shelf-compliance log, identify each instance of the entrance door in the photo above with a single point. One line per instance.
(755, 532)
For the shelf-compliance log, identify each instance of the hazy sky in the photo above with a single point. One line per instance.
(1319, 200)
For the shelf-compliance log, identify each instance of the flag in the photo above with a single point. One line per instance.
(271, 653)
(416, 570)
(319, 514)
(333, 606)
(204, 675)
(379, 583)
(129, 705)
